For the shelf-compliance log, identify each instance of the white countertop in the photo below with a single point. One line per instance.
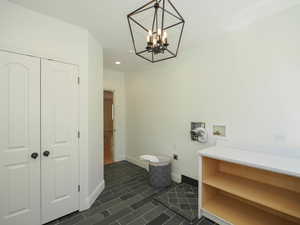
(274, 163)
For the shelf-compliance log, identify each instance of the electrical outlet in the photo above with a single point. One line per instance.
(175, 157)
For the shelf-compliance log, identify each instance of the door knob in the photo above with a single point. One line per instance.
(34, 155)
(46, 153)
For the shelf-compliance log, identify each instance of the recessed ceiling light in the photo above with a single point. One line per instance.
(117, 62)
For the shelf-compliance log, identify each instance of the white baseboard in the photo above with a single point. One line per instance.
(94, 195)
(175, 176)
(137, 162)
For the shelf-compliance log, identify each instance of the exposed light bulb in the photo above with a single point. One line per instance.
(165, 34)
(159, 32)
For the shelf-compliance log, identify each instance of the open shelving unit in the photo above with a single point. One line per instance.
(244, 195)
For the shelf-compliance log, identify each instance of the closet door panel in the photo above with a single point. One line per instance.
(60, 169)
(19, 139)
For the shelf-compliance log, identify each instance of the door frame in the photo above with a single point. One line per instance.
(114, 121)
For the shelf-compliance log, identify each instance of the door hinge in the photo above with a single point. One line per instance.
(78, 134)
(78, 188)
(78, 80)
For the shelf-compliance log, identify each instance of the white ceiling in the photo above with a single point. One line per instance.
(106, 20)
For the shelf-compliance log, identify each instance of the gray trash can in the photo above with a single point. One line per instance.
(160, 172)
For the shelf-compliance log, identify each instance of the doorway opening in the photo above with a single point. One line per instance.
(108, 107)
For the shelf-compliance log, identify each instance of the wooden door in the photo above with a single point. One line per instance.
(60, 165)
(108, 126)
(19, 139)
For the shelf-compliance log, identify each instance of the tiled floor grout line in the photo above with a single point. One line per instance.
(149, 212)
(141, 215)
(177, 213)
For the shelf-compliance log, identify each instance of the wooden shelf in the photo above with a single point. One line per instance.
(239, 213)
(281, 200)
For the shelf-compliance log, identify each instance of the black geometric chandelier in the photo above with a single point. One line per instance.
(156, 30)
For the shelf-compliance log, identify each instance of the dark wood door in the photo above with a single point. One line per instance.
(108, 126)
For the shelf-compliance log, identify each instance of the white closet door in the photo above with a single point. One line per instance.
(19, 139)
(60, 169)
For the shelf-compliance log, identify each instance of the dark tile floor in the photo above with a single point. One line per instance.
(182, 199)
(127, 199)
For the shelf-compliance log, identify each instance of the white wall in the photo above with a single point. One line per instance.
(28, 32)
(248, 80)
(114, 81)
(95, 161)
